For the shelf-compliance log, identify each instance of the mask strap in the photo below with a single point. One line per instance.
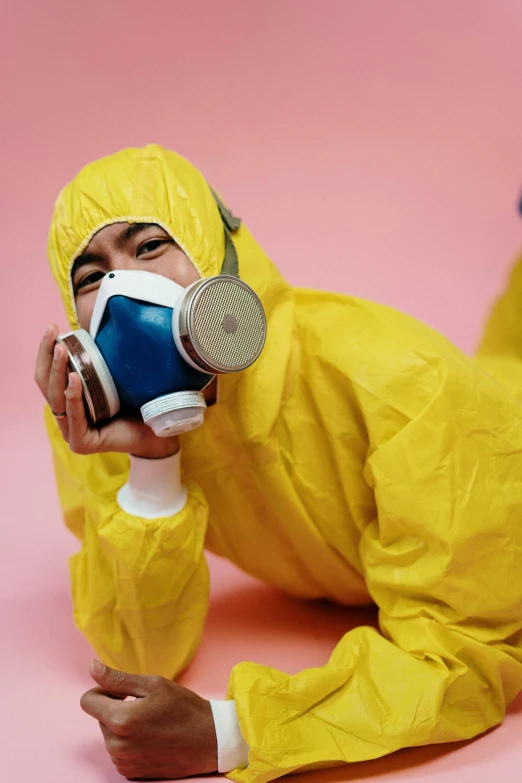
(230, 224)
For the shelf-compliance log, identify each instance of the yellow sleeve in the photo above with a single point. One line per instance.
(140, 587)
(442, 560)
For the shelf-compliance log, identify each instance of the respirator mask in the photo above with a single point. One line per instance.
(154, 346)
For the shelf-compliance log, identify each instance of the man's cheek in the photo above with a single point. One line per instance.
(84, 308)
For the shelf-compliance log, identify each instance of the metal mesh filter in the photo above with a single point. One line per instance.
(228, 324)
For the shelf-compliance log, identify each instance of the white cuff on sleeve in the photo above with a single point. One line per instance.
(154, 488)
(232, 748)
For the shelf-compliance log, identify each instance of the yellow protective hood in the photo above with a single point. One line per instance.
(153, 185)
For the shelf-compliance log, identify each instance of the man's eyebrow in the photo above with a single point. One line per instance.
(130, 231)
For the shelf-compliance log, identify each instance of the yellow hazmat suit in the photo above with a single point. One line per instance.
(362, 459)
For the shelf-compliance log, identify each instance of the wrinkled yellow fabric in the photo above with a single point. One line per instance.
(362, 459)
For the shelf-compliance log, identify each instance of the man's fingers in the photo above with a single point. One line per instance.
(114, 714)
(118, 682)
(58, 379)
(44, 359)
(57, 386)
(96, 704)
(77, 420)
(116, 745)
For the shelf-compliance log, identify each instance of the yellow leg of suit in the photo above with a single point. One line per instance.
(362, 458)
(500, 351)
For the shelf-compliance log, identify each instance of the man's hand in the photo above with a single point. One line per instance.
(167, 732)
(64, 394)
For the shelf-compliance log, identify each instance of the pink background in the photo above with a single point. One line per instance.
(373, 148)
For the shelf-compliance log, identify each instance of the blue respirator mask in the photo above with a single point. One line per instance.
(154, 345)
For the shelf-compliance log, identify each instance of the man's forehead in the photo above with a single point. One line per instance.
(111, 234)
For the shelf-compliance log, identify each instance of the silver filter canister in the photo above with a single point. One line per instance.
(220, 324)
(99, 391)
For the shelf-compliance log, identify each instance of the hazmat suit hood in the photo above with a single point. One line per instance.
(155, 185)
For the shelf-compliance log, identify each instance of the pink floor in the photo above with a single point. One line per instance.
(373, 148)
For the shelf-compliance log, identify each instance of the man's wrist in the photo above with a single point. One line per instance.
(208, 738)
(166, 447)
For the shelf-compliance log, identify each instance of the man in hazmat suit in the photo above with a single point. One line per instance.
(363, 459)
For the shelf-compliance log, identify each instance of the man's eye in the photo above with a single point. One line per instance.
(151, 245)
(90, 279)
